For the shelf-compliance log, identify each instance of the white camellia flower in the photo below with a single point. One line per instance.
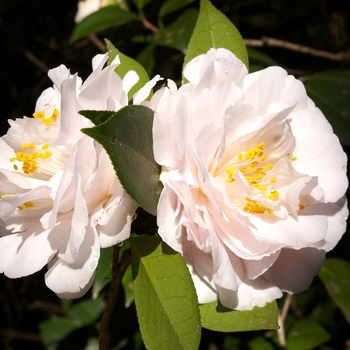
(254, 180)
(60, 198)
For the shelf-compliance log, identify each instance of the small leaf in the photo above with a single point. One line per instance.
(87, 311)
(170, 6)
(335, 275)
(214, 30)
(305, 335)
(165, 297)
(103, 273)
(330, 90)
(141, 3)
(127, 138)
(260, 343)
(104, 18)
(146, 58)
(216, 317)
(52, 331)
(258, 58)
(127, 64)
(177, 35)
(128, 287)
(97, 117)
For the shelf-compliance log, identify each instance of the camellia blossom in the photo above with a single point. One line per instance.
(60, 198)
(254, 180)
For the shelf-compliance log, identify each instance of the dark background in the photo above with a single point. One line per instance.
(34, 37)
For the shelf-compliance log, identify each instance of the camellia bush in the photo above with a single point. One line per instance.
(193, 204)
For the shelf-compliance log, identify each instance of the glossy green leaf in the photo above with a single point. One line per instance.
(216, 317)
(103, 274)
(177, 35)
(97, 117)
(165, 297)
(330, 90)
(87, 311)
(106, 17)
(305, 335)
(214, 30)
(127, 138)
(260, 343)
(335, 275)
(170, 6)
(127, 64)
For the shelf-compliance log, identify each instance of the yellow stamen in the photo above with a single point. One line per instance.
(273, 179)
(46, 120)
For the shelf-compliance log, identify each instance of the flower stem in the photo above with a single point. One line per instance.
(118, 271)
(281, 318)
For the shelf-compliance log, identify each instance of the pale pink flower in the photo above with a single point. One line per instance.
(254, 180)
(61, 200)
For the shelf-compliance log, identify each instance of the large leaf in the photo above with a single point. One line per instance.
(127, 64)
(335, 275)
(216, 317)
(214, 30)
(165, 297)
(330, 90)
(177, 35)
(106, 17)
(305, 335)
(127, 138)
(97, 117)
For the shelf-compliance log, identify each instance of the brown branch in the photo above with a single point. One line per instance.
(10, 334)
(32, 58)
(118, 272)
(149, 25)
(265, 41)
(100, 44)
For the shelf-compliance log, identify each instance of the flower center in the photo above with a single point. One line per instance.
(256, 168)
(47, 116)
(29, 160)
(38, 158)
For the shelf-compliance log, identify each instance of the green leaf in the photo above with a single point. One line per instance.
(103, 273)
(330, 90)
(106, 17)
(127, 138)
(305, 335)
(97, 117)
(170, 6)
(127, 64)
(335, 275)
(128, 287)
(165, 297)
(216, 317)
(177, 35)
(140, 4)
(257, 57)
(214, 30)
(260, 343)
(87, 311)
